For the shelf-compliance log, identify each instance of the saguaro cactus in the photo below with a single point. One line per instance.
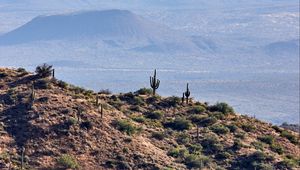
(97, 100)
(182, 98)
(53, 73)
(154, 83)
(32, 95)
(101, 111)
(187, 93)
(22, 157)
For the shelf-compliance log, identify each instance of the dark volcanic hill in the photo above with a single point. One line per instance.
(58, 126)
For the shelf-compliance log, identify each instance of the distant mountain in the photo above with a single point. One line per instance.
(116, 28)
(283, 48)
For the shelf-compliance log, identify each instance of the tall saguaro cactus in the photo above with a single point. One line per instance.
(154, 83)
(187, 93)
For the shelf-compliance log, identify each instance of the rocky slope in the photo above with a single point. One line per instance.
(59, 126)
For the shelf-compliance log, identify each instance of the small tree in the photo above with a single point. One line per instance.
(44, 70)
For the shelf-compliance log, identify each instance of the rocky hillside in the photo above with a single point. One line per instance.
(48, 124)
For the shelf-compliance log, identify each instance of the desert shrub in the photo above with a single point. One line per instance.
(21, 70)
(232, 128)
(67, 161)
(197, 110)
(208, 121)
(158, 135)
(237, 145)
(104, 91)
(144, 91)
(194, 148)
(197, 161)
(135, 108)
(42, 84)
(219, 129)
(223, 156)
(288, 163)
(126, 126)
(178, 152)
(138, 101)
(268, 139)
(3, 75)
(62, 84)
(178, 124)
(289, 136)
(277, 148)
(172, 101)
(86, 125)
(277, 129)
(117, 164)
(256, 160)
(183, 138)
(43, 70)
(211, 144)
(248, 127)
(154, 115)
(258, 145)
(219, 115)
(139, 119)
(221, 107)
(240, 135)
(153, 99)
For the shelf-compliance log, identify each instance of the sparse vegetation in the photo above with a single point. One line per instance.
(68, 161)
(126, 126)
(66, 123)
(221, 107)
(178, 124)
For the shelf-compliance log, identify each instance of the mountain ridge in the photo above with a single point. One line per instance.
(61, 126)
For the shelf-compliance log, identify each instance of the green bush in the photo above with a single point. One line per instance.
(144, 91)
(223, 156)
(138, 101)
(197, 110)
(172, 101)
(211, 144)
(232, 128)
(197, 161)
(139, 119)
(221, 107)
(237, 145)
(41, 84)
(194, 148)
(178, 152)
(256, 160)
(268, 139)
(219, 129)
(277, 129)
(126, 126)
(62, 84)
(288, 163)
(248, 127)
(207, 121)
(289, 136)
(178, 124)
(3, 75)
(154, 115)
(68, 161)
(277, 148)
(183, 138)
(158, 135)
